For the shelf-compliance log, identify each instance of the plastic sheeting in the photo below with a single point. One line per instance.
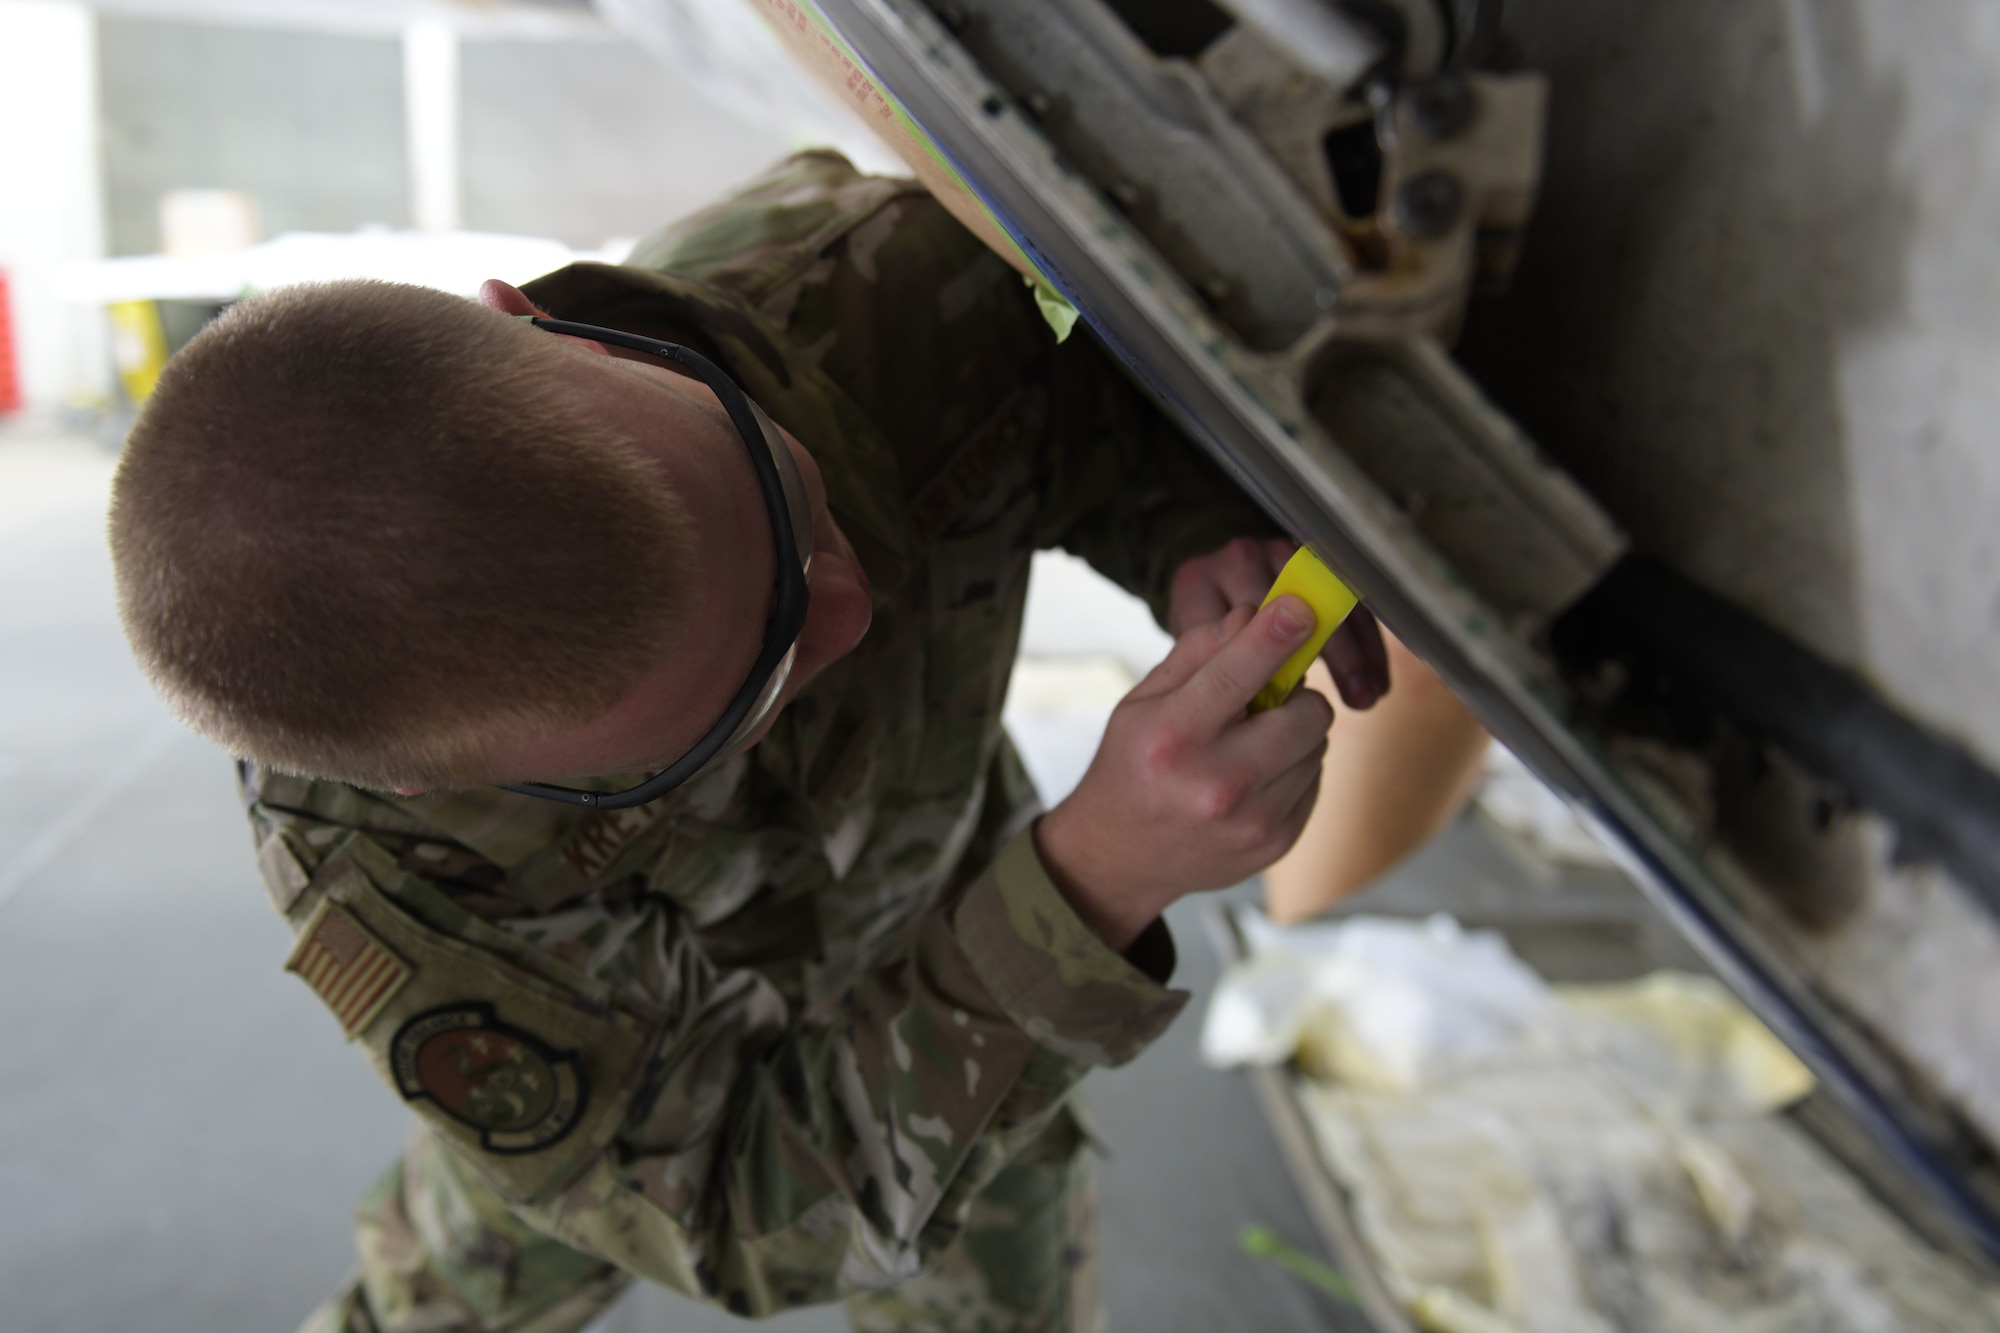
(1547, 1159)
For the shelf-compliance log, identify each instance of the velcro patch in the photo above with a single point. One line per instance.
(507, 1087)
(347, 967)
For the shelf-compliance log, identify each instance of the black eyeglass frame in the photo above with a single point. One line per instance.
(788, 613)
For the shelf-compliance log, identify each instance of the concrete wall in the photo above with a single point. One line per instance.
(587, 140)
(582, 140)
(311, 124)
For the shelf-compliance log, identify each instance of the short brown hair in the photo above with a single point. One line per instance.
(360, 525)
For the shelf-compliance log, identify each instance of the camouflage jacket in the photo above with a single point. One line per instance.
(763, 1039)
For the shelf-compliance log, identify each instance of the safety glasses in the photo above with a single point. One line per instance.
(791, 527)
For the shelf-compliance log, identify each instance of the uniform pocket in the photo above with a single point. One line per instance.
(528, 1073)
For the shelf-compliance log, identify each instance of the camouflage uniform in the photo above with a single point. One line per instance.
(807, 1029)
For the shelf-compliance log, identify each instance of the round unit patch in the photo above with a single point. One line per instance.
(517, 1093)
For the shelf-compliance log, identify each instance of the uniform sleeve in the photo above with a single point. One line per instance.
(788, 1163)
(1122, 487)
(701, 1132)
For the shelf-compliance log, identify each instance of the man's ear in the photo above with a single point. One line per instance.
(509, 300)
(506, 298)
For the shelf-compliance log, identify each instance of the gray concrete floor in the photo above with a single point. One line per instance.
(181, 1132)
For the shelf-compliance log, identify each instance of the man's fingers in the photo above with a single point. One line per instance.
(1277, 741)
(1273, 814)
(1296, 815)
(1356, 659)
(1238, 574)
(1244, 569)
(1277, 551)
(1198, 600)
(1190, 652)
(1223, 686)
(1276, 753)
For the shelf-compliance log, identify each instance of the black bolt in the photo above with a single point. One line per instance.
(1038, 105)
(1426, 208)
(1440, 107)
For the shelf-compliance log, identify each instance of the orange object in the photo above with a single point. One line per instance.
(10, 370)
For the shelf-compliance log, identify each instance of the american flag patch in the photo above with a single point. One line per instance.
(347, 967)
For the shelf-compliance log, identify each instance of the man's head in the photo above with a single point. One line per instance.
(381, 534)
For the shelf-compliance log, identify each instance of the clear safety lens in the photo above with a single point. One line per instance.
(794, 485)
(767, 699)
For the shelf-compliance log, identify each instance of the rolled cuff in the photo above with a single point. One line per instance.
(1050, 972)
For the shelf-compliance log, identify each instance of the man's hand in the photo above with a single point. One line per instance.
(1190, 791)
(1209, 587)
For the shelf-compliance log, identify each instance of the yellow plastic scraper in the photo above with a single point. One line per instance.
(1307, 579)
